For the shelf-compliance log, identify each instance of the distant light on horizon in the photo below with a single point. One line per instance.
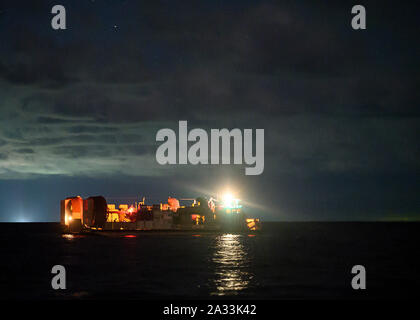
(22, 218)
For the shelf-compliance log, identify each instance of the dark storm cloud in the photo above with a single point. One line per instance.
(25, 151)
(51, 120)
(93, 129)
(88, 101)
(76, 152)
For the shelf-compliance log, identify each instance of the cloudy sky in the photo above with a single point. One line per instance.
(80, 108)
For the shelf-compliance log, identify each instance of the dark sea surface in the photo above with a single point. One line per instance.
(284, 261)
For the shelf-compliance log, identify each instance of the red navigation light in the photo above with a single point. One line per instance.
(130, 236)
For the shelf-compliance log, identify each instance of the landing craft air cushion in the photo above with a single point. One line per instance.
(94, 214)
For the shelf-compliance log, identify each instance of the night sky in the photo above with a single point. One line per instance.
(80, 108)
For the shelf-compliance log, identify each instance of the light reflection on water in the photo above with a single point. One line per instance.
(231, 265)
(72, 237)
(68, 236)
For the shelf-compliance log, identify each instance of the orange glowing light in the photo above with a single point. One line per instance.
(194, 217)
(130, 236)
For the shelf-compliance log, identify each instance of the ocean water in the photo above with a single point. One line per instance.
(284, 261)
